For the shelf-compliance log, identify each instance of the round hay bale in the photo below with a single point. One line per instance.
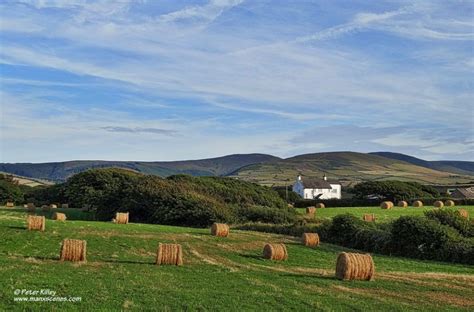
(53, 206)
(275, 252)
(417, 203)
(320, 205)
(169, 254)
(25, 206)
(402, 204)
(59, 216)
(449, 203)
(291, 206)
(438, 204)
(10, 204)
(65, 206)
(310, 239)
(464, 213)
(310, 210)
(36, 223)
(354, 266)
(369, 217)
(73, 250)
(220, 229)
(386, 205)
(121, 218)
(45, 208)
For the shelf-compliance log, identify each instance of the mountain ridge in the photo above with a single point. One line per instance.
(349, 167)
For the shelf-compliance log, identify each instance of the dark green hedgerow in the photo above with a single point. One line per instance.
(408, 236)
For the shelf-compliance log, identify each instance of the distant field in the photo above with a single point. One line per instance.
(381, 214)
(218, 274)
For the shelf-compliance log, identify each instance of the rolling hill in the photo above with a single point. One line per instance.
(60, 171)
(454, 166)
(32, 182)
(346, 167)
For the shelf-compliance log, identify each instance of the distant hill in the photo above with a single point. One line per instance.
(454, 166)
(60, 171)
(27, 181)
(346, 167)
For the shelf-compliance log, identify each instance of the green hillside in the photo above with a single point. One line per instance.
(226, 274)
(460, 167)
(346, 167)
(60, 171)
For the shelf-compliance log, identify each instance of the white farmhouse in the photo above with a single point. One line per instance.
(312, 188)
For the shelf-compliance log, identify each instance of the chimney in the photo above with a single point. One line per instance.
(325, 178)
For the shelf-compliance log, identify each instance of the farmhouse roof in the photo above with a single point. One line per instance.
(467, 192)
(313, 183)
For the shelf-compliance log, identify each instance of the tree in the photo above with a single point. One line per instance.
(10, 190)
(393, 190)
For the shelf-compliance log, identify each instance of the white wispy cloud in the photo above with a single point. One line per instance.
(207, 54)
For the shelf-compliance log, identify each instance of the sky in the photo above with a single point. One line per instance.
(158, 80)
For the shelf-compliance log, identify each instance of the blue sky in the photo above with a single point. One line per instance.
(171, 80)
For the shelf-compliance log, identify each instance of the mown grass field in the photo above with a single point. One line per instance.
(218, 274)
(382, 215)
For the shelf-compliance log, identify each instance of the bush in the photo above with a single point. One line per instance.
(231, 191)
(423, 238)
(9, 190)
(44, 195)
(393, 190)
(452, 218)
(344, 228)
(266, 214)
(177, 200)
(287, 194)
(414, 237)
(99, 187)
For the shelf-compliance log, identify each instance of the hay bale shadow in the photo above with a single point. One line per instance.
(16, 227)
(248, 256)
(309, 275)
(128, 261)
(41, 258)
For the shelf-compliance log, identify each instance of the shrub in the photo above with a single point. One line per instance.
(452, 218)
(177, 200)
(9, 190)
(231, 191)
(393, 190)
(287, 194)
(344, 228)
(266, 214)
(423, 238)
(99, 187)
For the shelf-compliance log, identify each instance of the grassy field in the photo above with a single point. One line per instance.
(382, 215)
(218, 273)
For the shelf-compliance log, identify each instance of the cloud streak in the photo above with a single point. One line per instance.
(140, 130)
(241, 69)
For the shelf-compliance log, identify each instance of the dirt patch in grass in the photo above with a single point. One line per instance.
(294, 270)
(451, 299)
(428, 297)
(245, 246)
(383, 295)
(427, 281)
